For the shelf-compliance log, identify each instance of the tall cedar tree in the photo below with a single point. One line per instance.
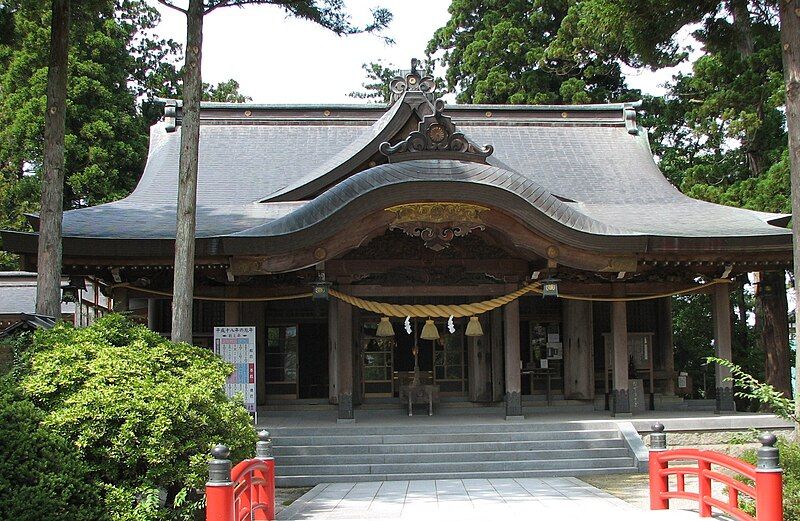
(790, 44)
(734, 95)
(48, 258)
(495, 52)
(329, 14)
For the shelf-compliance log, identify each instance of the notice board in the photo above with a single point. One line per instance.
(237, 345)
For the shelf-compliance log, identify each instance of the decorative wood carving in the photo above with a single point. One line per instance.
(436, 137)
(437, 223)
(412, 81)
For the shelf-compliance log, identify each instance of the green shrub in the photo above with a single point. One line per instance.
(790, 463)
(41, 477)
(141, 411)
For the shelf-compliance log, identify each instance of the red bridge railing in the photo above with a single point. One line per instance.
(245, 492)
(765, 487)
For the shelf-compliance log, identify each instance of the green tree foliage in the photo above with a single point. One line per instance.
(140, 411)
(40, 475)
(497, 52)
(112, 61)
(118, 67)
(225, 91)
(376, 87)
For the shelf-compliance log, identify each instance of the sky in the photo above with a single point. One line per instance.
(278, 59)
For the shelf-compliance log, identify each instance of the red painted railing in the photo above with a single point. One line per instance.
(244, 492)
(765, 487)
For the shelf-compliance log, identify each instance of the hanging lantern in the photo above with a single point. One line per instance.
(474, 327)
(384, 328)
(429, 331)
(550, 287)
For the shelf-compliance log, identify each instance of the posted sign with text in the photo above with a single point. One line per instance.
(237, 345)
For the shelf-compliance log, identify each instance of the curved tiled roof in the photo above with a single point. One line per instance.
(264, 172)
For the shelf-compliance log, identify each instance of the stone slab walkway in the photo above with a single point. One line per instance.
(468, 500)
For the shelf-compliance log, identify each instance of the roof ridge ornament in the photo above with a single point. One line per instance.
(436, 138)
(412, 80)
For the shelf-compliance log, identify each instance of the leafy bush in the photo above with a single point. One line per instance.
(141, 411)
(790, 463)
(40, 475)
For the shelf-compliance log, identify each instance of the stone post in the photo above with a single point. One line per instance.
(219, 487)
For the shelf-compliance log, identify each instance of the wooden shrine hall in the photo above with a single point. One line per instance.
(406, 221)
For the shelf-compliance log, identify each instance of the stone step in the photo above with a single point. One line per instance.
(451, 467)
(402, 448)
(455, 437)
(449, 457)
(311, 479)
(425, 425)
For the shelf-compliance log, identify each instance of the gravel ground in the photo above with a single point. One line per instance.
(286, 496)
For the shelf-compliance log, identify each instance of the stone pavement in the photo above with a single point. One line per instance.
(469, 500)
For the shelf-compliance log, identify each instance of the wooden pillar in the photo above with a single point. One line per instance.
(255, 314)
(721, 304)
(232, 314)
(344, 315)
(333, 349)
(578, 350)
(496, 339)
(480, 367)
(666, 343)
(512, 361)
(120, 299)
(152, 314)
(620, 398)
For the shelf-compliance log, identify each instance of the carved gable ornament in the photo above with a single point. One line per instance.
(437, 223)
(436, 138)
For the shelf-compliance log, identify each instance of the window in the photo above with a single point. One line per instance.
(449, 358)
(281, 363)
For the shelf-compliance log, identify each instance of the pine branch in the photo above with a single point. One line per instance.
(169, 4)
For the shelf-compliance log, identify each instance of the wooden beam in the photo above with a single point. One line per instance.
(619, 334)
(578, 350)
(512, 360)
(344, 315)
(333, 351)
(496, 338)
(721, 310)
(665, 343)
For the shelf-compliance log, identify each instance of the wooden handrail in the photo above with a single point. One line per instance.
(767, 478)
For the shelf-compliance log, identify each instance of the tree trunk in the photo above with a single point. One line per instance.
(48, 283)
(183, 284)
(773, 330)
(790, 44)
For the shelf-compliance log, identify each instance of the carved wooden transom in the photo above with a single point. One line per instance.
(437, 223)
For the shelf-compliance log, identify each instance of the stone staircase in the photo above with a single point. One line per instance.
(478, 449)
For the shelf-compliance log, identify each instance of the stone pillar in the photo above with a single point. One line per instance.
(665, 343)
(480, 368)
(512, 361)
(721, 312)
(120, 298)
(333, 349)
(496, 339)
(344, 320)
(152, 314)
(578, 350)
(620, 397)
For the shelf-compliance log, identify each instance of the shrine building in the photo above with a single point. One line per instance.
(385, 211)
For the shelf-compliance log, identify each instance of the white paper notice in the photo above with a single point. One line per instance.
(237, 345)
